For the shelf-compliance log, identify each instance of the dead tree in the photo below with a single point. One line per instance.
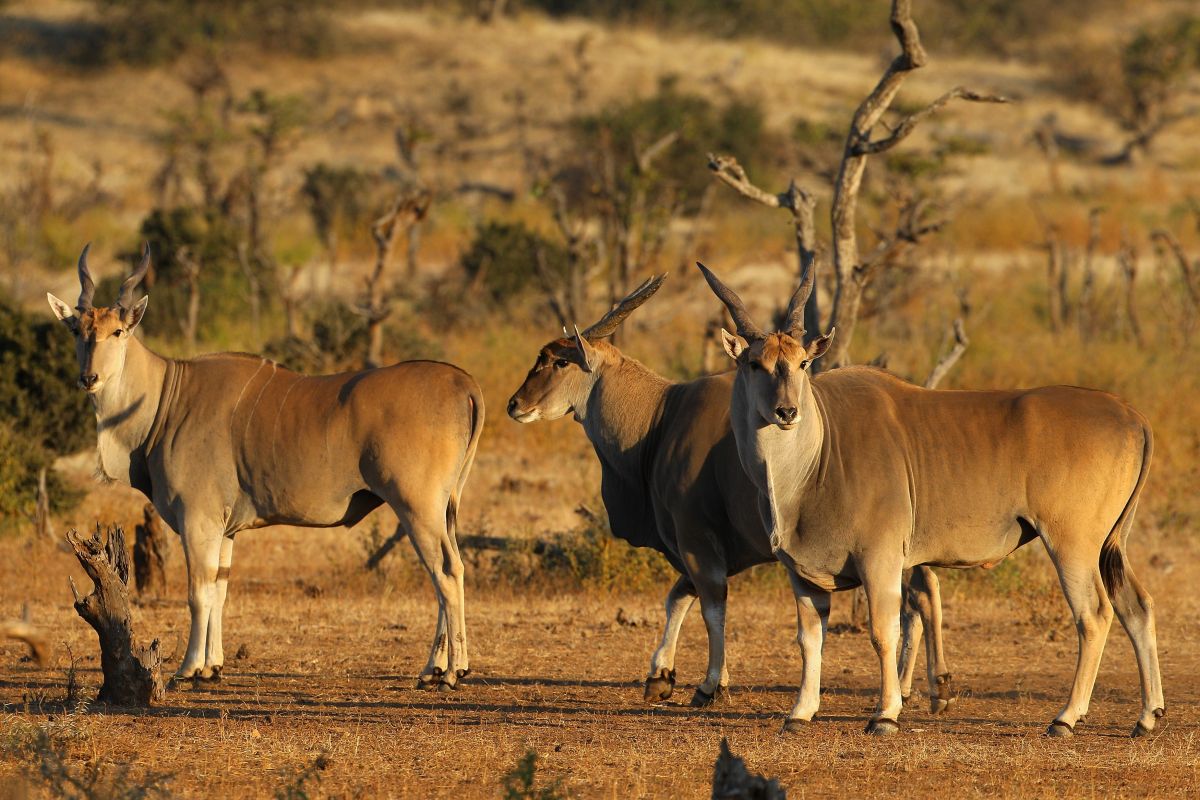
(407, 210)
(733, 781)
(150, 554)
(1127, 258)
(132, 674)
(190, 322)
(1189, 271)
(852, 272)
(1087, 313)
(41, 513)
(1056, 274)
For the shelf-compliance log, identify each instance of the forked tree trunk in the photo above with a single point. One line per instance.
(132, 674)
(150, 554)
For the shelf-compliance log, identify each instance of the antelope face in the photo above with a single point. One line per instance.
(774, 370)
(560, 380)
(101, 335)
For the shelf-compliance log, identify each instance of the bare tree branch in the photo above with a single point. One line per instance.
(866, 147)
(951, 358)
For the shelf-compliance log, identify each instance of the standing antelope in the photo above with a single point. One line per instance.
(224, 443)
(861, 474)
(671, 481)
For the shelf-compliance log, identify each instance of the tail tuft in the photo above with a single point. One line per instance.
(1112, 566)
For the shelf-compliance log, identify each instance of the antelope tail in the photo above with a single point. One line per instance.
(1112, 559)
(475, 401)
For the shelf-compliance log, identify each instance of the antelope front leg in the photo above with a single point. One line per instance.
(661, 681)
(202, 551)
(812, 620)
(713, 591)
(214, 650)
(882, 585)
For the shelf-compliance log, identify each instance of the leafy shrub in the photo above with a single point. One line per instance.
(617, 136)
(520, 783)
(503, 258)
(339, 342)
(158, 31)
(38, 375)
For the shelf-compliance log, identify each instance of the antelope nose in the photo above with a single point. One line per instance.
(88, 381)
(786, 414)
(512, 406)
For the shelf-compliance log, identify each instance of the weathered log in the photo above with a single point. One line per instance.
(732, 781)
(150, 554)
(132, 674)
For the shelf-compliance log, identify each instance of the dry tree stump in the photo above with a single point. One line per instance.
(132, 675)
(150, 554)
(733, 781)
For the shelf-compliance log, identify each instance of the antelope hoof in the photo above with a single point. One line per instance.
(939, 705)
(431, 679)
(1160, 713)
(702, 699)
(1060, 730)
(1140, 730)
(793, 725)
(209, 675)
(883, 727)
(444, 686)
(909, 700)
(660, 687)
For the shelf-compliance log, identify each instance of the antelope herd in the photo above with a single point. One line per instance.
(850, 478)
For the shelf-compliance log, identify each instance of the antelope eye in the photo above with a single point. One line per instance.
(117, 333)
(561, 363)
(757, 367)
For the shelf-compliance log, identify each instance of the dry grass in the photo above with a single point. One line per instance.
(330, 656)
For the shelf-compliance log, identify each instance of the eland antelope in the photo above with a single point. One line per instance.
(229, 442)
(671, 481)
(861, 474)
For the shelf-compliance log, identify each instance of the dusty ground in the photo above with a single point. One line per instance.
(331, 655)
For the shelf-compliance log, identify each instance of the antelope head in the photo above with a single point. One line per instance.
(773, 368)
(102, 334)
(566, 369)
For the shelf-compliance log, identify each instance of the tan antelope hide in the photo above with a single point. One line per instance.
(224, 443)
(671, 480)
(861, 474)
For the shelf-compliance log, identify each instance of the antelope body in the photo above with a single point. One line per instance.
(860, 475)
(230, 442)
(671, 481)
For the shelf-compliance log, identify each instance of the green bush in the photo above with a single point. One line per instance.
(159, 31)
(338, 341)
(38, 376)
(43, 413)
(503, 259)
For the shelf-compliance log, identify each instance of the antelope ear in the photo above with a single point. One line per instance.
(134, 315)
(818, 346)
(64, 312)
(586, 350)
(734, 345)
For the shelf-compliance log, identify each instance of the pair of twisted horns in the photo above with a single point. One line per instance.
(794, 324)
(87, 286)
(609, 323)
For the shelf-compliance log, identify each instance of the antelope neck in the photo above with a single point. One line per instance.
(130, 410)
(622, 409)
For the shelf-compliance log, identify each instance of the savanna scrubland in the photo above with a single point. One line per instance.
(539, 163)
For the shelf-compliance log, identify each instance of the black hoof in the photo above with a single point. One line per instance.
(659, 687)
(792, 725)
(1060, 730)
(447, 687)
(1140, 730)
(430, 680)
(883, 727)
(215, 677)
(943, 680)
(702, 699)
(910, 700)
